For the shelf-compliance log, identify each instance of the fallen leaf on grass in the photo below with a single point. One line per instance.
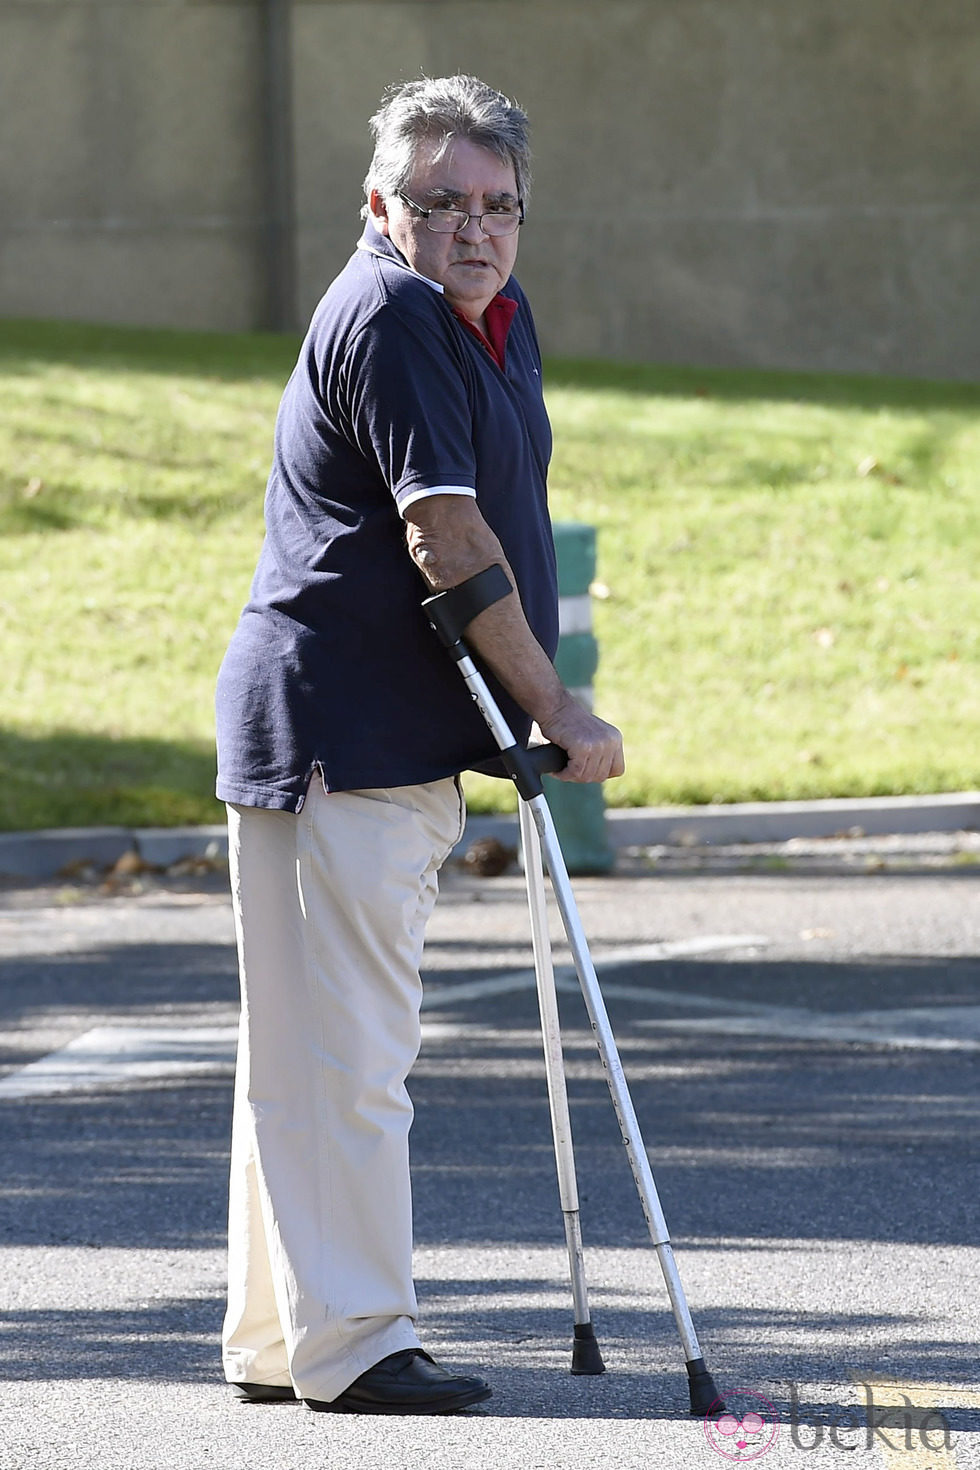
(870, 466)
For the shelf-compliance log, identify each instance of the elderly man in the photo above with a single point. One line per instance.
(411, 438)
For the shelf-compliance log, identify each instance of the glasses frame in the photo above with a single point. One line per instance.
(425, 213)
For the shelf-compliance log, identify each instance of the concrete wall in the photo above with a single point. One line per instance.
(773, 182)
(129, 167)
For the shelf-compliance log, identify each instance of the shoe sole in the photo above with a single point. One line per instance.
(462, 1400)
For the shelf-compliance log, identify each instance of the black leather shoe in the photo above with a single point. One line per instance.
(408, 1382)
(264, 1393)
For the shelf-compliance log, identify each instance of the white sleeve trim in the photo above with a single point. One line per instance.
(423, 494)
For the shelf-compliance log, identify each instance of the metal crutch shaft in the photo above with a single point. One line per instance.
(702, 1388)
(586, 1357)
(450, 612)
(704, 1396)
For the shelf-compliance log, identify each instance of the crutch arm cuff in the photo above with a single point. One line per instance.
(452, 611)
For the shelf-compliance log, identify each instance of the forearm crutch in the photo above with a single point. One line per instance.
(450, 613)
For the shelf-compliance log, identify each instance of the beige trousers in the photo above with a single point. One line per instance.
(330, 910)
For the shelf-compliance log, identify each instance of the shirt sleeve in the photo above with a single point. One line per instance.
(406, 397)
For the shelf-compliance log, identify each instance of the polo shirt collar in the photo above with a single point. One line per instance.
(377, 244)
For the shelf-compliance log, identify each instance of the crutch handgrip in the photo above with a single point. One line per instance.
(547, 759)
(526, 767)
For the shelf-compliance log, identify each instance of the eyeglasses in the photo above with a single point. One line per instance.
(452, 221)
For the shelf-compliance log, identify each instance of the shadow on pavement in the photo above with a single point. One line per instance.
(755, 1142)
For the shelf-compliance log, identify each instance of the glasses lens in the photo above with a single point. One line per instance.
(505, 222)
(446, 221)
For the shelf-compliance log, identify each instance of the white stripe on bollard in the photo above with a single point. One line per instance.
(575, 614)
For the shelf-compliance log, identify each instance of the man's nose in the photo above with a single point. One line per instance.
(472, 232)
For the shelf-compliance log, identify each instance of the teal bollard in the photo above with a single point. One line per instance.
(578, 810)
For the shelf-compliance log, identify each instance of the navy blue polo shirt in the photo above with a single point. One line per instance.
(333, 666)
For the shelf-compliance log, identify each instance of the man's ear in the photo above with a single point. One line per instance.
(379, 211)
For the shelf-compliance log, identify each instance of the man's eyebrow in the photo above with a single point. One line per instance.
(447, 195)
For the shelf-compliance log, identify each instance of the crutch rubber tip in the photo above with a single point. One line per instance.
(705, 1398)
(586, 1357)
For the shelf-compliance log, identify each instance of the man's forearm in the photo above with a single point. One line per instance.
(449, 542)
(503, 641)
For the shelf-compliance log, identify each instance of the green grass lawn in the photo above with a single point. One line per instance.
(791, 608)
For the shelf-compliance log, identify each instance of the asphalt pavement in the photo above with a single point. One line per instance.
(800, 1028)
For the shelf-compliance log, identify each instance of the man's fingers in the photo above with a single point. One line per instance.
(593, 763)
(595, 748)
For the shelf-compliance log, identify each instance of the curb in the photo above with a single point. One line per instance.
(54, 853)
(781, 821)
(61, 852)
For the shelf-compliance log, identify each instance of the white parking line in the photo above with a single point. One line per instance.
(437, 996)
(901, 1029)
(108, 1056)
(939, 1028)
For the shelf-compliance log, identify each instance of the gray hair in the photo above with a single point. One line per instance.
(442, 109)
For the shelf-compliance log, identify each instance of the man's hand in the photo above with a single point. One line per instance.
(595, 749)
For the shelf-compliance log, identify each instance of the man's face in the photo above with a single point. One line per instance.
(470, 266)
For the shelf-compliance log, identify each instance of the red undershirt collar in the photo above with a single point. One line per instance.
(499, 315)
